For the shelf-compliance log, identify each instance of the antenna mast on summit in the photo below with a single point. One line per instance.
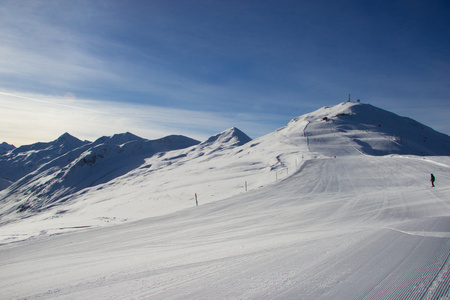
(348, 97)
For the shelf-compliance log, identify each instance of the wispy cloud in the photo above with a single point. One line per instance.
(38, 56)
(45, 52)
(153, 67)
(29, 118)
(121, 86)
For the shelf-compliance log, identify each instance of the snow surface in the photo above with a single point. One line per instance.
(332, 206)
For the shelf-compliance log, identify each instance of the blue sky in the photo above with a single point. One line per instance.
(155, 68)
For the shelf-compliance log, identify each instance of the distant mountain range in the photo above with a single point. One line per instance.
(36, 177)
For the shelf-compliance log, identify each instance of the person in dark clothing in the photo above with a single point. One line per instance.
(432, 180)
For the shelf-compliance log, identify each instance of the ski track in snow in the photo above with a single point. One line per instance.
(337, 224)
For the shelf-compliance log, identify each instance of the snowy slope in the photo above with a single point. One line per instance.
(94, 180)
(320, 219)
(85, 166)
(373, 131)
(25, 159)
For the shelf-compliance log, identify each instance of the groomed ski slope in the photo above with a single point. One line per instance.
(339, 228)
(342, 225)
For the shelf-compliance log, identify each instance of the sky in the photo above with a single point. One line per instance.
(196, 68)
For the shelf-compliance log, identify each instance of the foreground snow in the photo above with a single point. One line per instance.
(337, 229)
(319, 221)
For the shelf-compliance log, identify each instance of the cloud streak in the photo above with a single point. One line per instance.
(28, 118)
(153, 67)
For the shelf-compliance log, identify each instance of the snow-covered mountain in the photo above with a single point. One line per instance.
(51, 171)
(227, 139)
(67, 170)
(335, 205)
(5, 147)
(25, 159)
(371, 130)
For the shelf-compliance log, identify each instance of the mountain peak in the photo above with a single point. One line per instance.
(126, 137)
(68, 139)
(119, 139)
(66, 143)
(66, 135)
(370, 130)
(230, 137)
(5, 147)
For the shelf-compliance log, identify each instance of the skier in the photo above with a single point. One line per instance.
(432, 180)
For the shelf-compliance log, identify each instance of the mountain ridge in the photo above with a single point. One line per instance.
(86, 166)
(372, 131)
(5, 147)
(344, 129)
(25, 159)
